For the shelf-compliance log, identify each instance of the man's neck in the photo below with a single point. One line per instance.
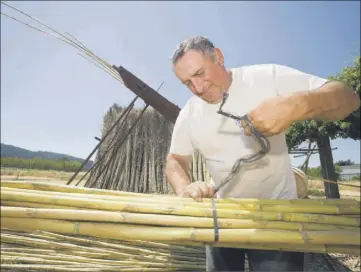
(229, 80)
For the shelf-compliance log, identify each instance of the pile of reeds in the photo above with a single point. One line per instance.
(40, 250)
(306, 225)
(134, 159)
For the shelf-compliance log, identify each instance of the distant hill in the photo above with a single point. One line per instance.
(10, 151)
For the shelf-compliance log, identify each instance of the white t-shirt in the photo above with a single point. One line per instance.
(222, 141)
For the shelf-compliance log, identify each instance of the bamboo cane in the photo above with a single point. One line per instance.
(119, 225)
(250, 204)
(346, 249)
(79, 268)
(25, 250)
(43, 186)
(184, 265)
(8, 259)
(132, 246)
(123, 248)
(341, 207)
(34, 205)
(161, 220)
(354, 250)
(139, 247)
(202, 212)
(63, 259)
(109, 253)
(85, 254)
(106, 252)
(46, 187)
(135, 232)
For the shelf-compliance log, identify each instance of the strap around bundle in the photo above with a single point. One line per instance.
(215, 225)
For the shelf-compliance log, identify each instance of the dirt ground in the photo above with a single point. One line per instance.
(317, 189)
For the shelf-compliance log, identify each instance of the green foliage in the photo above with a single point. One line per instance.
(344, 163)
(315, 172)
(347, 128)
(10, 151)
(316, 192)
(41, 164)
(356, 177)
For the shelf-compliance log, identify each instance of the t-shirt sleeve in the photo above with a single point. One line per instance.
(181, 143)
(289, 80)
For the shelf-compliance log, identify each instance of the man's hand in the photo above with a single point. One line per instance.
(197, 190)
(273, 116)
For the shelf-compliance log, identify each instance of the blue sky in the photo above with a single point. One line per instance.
(54, 100)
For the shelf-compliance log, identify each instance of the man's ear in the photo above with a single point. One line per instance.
(219, 56)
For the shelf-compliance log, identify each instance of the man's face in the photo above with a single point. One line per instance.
(203, 75)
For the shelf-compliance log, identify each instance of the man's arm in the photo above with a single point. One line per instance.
(177, 172)
(331, 102)
(301, 96)
(180, 153)
(179, 159)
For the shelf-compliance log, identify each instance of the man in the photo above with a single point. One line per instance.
(274, 97)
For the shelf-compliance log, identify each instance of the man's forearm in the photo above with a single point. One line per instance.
(177, 175)
(333, 101)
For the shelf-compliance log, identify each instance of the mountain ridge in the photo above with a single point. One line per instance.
(11, 151)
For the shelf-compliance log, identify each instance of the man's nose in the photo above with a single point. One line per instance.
(198, 85)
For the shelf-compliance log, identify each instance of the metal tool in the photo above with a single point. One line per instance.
(257, 136)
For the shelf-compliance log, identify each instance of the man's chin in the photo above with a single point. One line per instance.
(212, 100)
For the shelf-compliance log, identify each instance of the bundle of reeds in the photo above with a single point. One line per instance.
(134, 160)
(329, 225)
(39, 250)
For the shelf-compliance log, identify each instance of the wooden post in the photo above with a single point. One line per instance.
(328, 167)
(166, 108)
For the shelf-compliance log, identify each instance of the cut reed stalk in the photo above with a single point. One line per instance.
(46, 187)
(63, 259)
(138, 230)
(35, 205)
(8, 259)
(172, 210)
(161, 220)
(25, 250)
(189, 263)
(346, 249)
(43, 186)
(314, 205)
(108, 253)
(135, 232)
(121, 247)
(135, 246)
(102, 252)
(78, 268)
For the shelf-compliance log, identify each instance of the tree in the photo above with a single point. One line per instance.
(321, 132)
(344, 163)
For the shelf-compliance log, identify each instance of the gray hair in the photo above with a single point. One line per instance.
(198, 43)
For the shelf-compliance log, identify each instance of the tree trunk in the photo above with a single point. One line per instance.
(327, 167)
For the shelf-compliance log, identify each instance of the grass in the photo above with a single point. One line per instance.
(60, 177)
(317, 189)
(316, 192)
(48, 174)
(319, 184)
